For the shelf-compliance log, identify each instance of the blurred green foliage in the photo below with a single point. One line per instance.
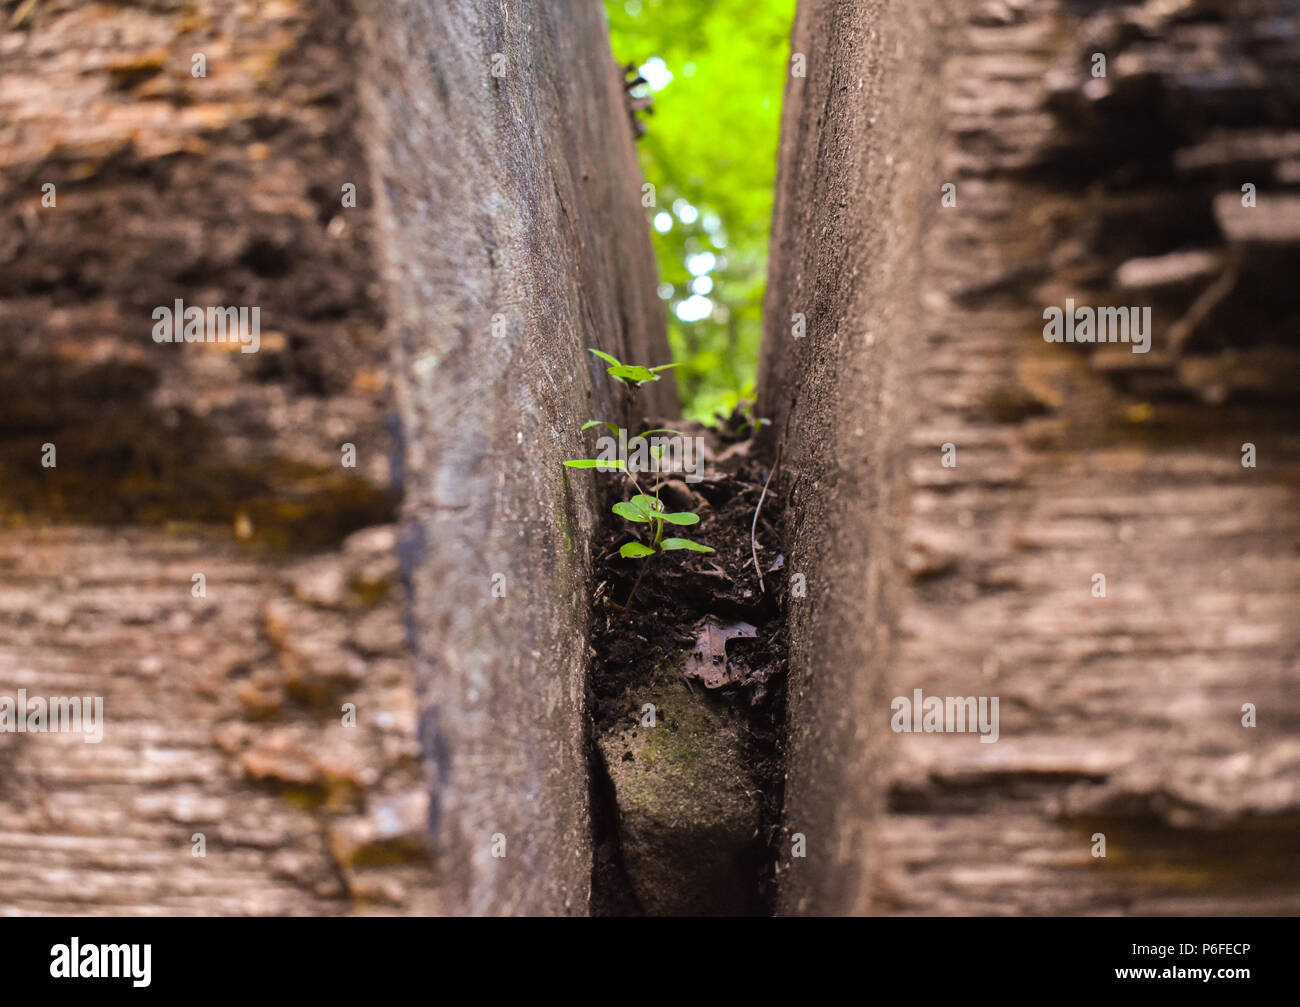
(716, 70)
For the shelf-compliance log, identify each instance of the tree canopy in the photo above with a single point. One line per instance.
(716, 70)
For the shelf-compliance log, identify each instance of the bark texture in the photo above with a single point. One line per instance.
(514, 240)
(516, 196)
(1120, 715)
(856, 146)
(224, 711)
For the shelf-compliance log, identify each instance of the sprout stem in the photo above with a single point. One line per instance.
(627, 605)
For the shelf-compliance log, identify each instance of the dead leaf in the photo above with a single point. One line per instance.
(707, 662)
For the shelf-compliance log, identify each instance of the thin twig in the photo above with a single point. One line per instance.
(627, 605)
(753, 543)
(1209, 299)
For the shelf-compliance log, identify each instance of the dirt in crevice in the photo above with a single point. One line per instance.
(679, 590)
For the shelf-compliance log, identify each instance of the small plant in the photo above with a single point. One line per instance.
(729, 401)
(645, 509)
(642, 508)
(743, 402)
(632, 375)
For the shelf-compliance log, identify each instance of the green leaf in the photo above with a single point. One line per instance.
(664, 367)
(597, 463)
(635, 550)
(681, 517)
(601, 423)
(647, 503)
(683, 543)
(631, 512)
(633, 372)
(605, 357)
(660, 430)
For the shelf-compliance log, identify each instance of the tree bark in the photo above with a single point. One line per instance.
(1122, 715)
(514, 240)
(515, 196)
(223, 700)
(858, 133)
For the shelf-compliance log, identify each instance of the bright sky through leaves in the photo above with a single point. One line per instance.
(717, 70)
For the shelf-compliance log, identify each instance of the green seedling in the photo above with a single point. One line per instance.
(632, 375)
(747, 405)
(744, 402)
(642, 508)
(645, 509)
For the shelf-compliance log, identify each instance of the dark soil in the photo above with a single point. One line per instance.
(678, 590)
